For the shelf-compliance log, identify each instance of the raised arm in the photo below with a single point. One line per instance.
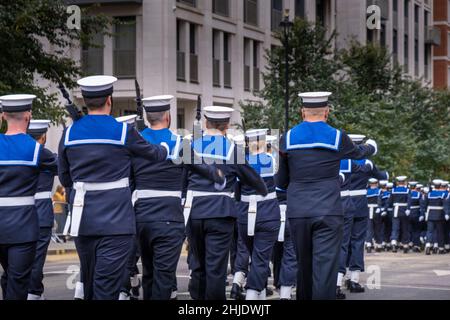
(138, 146)
(63, 166)
(348, 150)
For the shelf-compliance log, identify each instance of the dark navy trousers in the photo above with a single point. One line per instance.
(415, 228)
(284, 261)
(103, 261)
(132, 267)
(400, 229)
(345, 243)
(317, 242)
(435, 231)
(37, 274)
(260, 247)
(357, 238)
(210, 244)
(160, 244)
(17, 263)
(241, 263)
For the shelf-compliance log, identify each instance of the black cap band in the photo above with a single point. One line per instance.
(22, 108)
(97, 94)
(217, 120)
(157, 108)
(313, 105)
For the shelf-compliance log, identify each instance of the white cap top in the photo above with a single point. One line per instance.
(390, 185)
(218, 113)
(413, 183)
(401, 178)
(315, 99)
(239, 139)
(437, 182)
(39, 124)
(271, 139)
(17, 102)
(157, 103)
(357, 137)
(419, 185)
(130, 119)
(373, 180)
(97, 86)
(256, 133)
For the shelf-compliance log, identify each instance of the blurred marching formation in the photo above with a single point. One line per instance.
(308, 203)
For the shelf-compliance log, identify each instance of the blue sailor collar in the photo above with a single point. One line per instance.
(263, 164)
(415, 194)
(386, 194)
(400, 190)
(19, 150)
(346, 166)
(373, 192)
(309, 135)
(361, 162)
(164, 136)
(437, 194)
(96, 129)
(214, 147)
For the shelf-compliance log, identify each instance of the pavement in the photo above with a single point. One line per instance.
(389, 276)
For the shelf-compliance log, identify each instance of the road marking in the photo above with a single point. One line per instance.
(413, 287)
(441, 273)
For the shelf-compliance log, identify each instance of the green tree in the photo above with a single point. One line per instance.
(25, 25)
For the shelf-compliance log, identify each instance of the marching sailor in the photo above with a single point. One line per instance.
(434, 214)
(447, 218)
(373, 194)
(157, 199)
(212, 214)
(95, 161)
(22, 159)
(44, 206)
(379, 215)
(398, 202)
(259, 216)
(310, 156)
(386, 214)
(414, 215)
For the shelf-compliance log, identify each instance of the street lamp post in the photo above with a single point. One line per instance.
(286, 25)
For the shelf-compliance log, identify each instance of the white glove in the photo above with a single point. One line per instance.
(378, 211)
(370, 163)
(166, 146)
(372, 143)
(407, 212)
(383, 213)
(219, 187)
(183, 200)
(421, 218)
(447, 217)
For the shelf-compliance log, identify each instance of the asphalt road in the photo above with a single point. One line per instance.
(390, 277)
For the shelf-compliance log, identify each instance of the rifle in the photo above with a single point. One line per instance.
(140, 122)
(198, 117)
(74, 113)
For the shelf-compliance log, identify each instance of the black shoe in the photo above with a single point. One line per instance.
(428, 251)
(394, 249)
(416, 249)
(347, 284)
(339, 294)
(269, 291)
(356, 287)
(236, 292)
(435, 250)
(378, 249)
(405, 249)
(369, 249)
(441, 251)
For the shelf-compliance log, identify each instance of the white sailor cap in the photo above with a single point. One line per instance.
(239, 139)
(426, 189)
(437, 182)
(17, 102)
(383, 183)
(130, 119)
(271, 139)
(157, 103)
(401, 178)
(38, 127)
(97, 86)
(390, 185)
(218, 113)
(357, 138)
(256, 133)
(315, 99)
(373, 181)
(445, 183)
(419, 185)
(413, 183)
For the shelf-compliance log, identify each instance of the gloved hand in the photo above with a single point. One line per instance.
(421, 218)
(370, 163)
(218, 186)
(383, 213)
(407, 212)
(166, 146)
(373, 143)
(447, 217)
(378, 211)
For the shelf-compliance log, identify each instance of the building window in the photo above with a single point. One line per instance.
(406, 8)
(251, 12)
(406, 55)
(416, 56)
(321, 12)
(256, 64)
(192, 3)
(383, 35)
(181, 55)
(395, 5)
(300, 8)
(395, 45)
(193, 57)
(276, 14)
(221, 7)
(124, 65)
(92, 56)
(226, 60)
(216, 58)
(252, 74)
(448, 78)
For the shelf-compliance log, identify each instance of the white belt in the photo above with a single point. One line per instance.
(43, 195)
(148, 194)
(17, 201)
(81, 188)
(253, 208)
(283, 208)
(345, 193)
(414, 207)
(353, 193)
(397, 206)
(195, 194)
(429, 208)
(371, 210)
